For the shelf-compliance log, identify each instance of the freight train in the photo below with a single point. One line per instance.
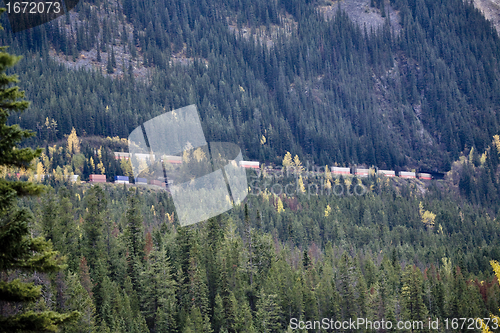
(335, 171)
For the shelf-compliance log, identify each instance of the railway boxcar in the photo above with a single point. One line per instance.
(122, 180)
(387, 173)
(121, 156)
(336, 171)
(249, 164)
(141, 181)
(172, 159)
(361, 172)
(157, 183)
(97, 178)
(423, 175)
(144, 157)
(407, 174)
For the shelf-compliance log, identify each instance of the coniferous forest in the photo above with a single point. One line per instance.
(421, 91)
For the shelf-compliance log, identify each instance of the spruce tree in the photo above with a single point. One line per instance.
(134, 238)
(413, 307)
(109, 66)
(98, 52)
(268, 313)
(19, 251)
(158, 292)
(113, 58)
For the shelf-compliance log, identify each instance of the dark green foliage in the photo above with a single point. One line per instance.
(349, 274)
(134, 233)
(413, 307)
(329, 92)
(94, 226)
(20, 253)
(311, 93)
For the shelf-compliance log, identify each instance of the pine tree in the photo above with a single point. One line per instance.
(94, 249)
(346, 287)
(495, 318)
(18, 249)
(113, 58)
(306, 261)
(227, 302)
(219, 319)
(135, 230)
(411, 295)
(158, 292)
(98, 52)
(213, 240)
(134, 235)
(80, 299)
(268, 313)
(109, 66)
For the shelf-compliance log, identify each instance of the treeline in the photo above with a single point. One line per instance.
(327, 90)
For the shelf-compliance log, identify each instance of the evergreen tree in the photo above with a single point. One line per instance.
(98, 52)
(414, 308)
(158, 293)
(94, 249)
(113, 58)
(268, 314)
(109, 65)
(18, 249)
(135, 230)
(79, 299)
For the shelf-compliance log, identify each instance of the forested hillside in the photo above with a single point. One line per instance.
(398, 250)
(328, 90)
(131, 268)
(419, 92)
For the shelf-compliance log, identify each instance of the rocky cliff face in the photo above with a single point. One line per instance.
(362, 13)
(491, 10)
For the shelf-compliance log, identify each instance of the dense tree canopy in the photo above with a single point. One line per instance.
(20, 253)
(273, 77)
(414, 95)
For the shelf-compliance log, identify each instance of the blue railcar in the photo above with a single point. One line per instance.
(121, 179)
(141, 180)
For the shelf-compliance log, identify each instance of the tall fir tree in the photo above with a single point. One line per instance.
(414, 308)
(19, 251)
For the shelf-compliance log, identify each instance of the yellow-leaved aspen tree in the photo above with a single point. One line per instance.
(73, 143)
(328, 210)
(494, 319)
(298, 165)
(279, 205)
(427, 217)
(287, 160)
(302, 188)
(40, 170)
(126, 167)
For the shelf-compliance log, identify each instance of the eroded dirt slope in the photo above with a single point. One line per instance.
(491, 10)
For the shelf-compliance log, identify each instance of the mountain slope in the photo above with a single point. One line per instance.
(328, 90)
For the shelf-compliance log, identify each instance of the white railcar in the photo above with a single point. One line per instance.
(387, 173)
(122, 156)
(362, 172)
(337, 171)
(249, 164)
(407, 174)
